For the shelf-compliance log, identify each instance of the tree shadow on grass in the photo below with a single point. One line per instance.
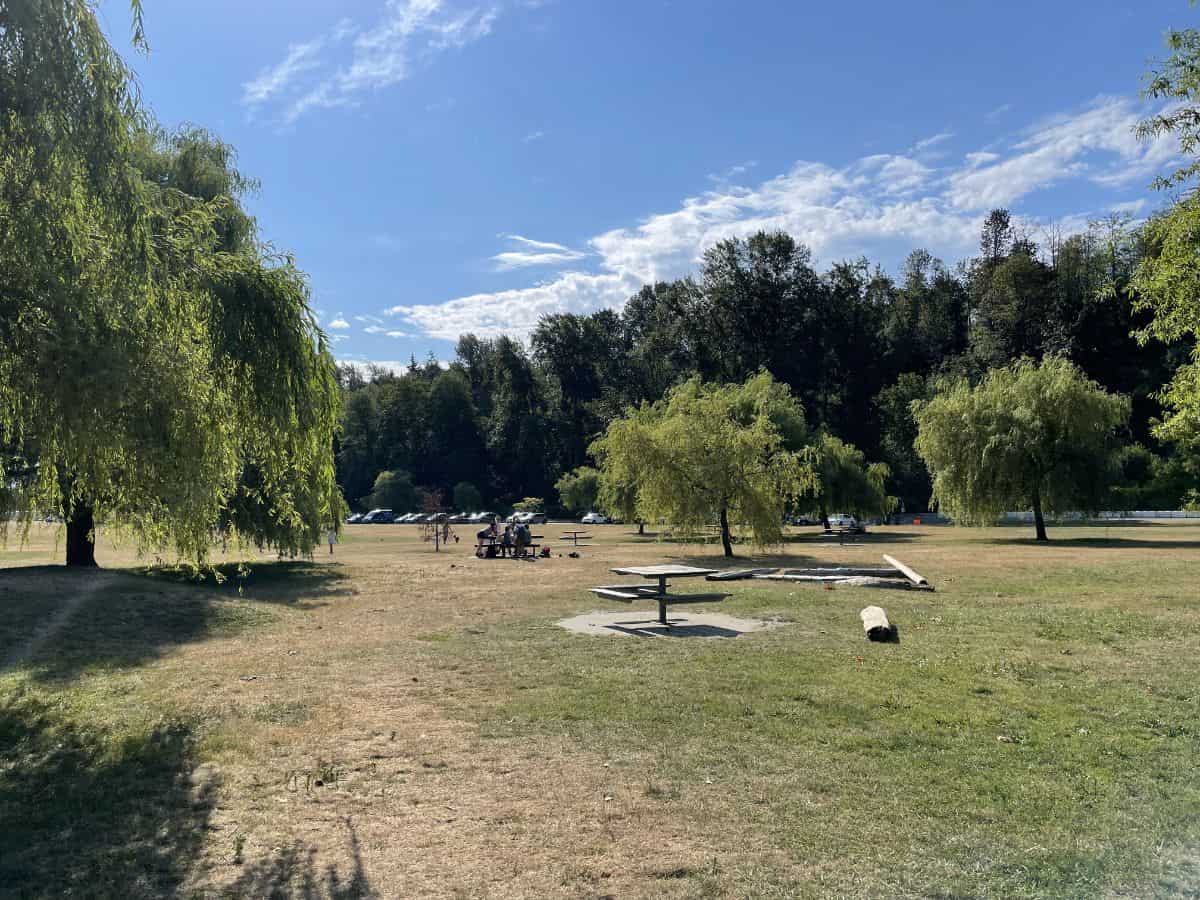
(57, 622)
(84, 813)
(294, 874)
(1099, 543)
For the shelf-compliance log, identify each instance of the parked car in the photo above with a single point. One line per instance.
(460, 518)
(595, 518)
(407, 518)
(535, 518)
(357, 517)
(377, 517)
(802, 520)
(844, 520)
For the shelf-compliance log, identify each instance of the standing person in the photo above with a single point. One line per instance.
(332, 538)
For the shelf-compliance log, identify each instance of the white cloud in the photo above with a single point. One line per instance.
(374, 329)
(880, 204)
(1132, 207)
(339, 323)
(533, 136)
(535, 253)
(930, 142)
(1097, 143)
(398, 334)
(300, 58)
(408, 33)
(516, 312)
(369, 320)
(998, 111)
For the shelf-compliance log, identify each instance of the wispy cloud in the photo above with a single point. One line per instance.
(300, 58)
(340, 323)
(535, 253)
(1096, 143)
(996, 113)
(883, 203)
(733, 172)
(370, 320)
(408, 33)
(930, 142)
(533, 136)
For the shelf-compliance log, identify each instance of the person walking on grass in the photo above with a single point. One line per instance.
(331, 537)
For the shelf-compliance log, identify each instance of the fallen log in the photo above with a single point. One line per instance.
(854, 580)
(738, 574)
(876, 625)
(846, 571)
(912, 576)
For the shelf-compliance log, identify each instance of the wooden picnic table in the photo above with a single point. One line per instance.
(629, 593)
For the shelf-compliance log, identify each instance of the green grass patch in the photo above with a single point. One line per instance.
(1021, 740)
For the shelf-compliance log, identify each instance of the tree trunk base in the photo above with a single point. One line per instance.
(81, 538)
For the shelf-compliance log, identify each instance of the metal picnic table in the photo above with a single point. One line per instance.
(628, 593)
(574, 536)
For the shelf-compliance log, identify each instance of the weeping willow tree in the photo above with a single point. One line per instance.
(161, 370)
(846, 482)
(1032, 435)
(724, 453)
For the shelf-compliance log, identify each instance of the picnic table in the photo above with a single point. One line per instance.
(626, 593)
(575, 536)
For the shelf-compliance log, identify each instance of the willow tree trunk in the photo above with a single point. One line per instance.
(728, 544)
(1039, 523)
(81, 536)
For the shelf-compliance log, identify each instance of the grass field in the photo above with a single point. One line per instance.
(393, 722)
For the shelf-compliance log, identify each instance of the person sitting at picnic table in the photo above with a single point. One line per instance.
(522, 538)
(506, 542)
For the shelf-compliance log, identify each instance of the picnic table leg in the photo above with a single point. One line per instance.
(662, 612)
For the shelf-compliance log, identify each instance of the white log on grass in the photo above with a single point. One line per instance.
(912, 576)
(876, 624)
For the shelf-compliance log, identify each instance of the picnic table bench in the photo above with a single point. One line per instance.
(485, 544)
(628, 593)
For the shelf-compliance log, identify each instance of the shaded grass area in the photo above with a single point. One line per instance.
(91, 812)
(106, 784)
(1036, 733)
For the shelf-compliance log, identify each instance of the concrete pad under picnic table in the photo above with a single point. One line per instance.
(646, 624)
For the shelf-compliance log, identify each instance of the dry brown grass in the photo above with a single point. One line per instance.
(345, 750)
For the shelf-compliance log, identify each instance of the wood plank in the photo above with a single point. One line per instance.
(623, 596)
(738, 574)
(671, 599)
(912, 576)
(877, 571)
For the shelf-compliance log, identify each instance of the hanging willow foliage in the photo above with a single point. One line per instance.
(161, 369)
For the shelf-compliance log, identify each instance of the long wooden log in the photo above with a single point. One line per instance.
(901, 584)
(845, 571)
(912, 576)
(737, 574)
(876, 625)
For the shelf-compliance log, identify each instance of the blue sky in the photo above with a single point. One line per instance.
(440, 166)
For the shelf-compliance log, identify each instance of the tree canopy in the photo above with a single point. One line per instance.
(1037, 436)
(711, 454)
(579, 489)
(162, 371)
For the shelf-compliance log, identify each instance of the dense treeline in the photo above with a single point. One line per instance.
(855, 345)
